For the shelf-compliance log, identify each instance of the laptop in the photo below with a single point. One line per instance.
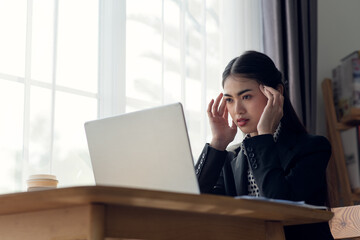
(147, 149)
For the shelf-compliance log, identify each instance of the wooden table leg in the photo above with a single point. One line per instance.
(72, 223)
(97, 222)
(274, 231)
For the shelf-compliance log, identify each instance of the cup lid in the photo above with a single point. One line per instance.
(42, 176)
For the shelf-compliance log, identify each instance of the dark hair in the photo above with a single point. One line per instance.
(261, 68)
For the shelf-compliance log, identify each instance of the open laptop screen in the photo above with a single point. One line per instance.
(148, 149)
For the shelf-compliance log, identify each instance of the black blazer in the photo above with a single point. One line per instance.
(293, 168)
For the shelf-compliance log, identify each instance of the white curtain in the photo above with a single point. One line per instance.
(64, 62)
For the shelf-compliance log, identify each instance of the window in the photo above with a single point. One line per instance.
(66, 62)
(49, 83)
(173, 48)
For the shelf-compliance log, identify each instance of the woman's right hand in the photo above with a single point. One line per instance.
(222, 133)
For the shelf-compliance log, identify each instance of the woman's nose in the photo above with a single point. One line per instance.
(239, 108)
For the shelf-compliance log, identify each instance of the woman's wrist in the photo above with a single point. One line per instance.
(218, 145)
(265, 132)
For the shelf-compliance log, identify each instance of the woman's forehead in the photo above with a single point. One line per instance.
(240, 81)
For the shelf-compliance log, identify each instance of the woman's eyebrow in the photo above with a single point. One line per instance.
(239, 93)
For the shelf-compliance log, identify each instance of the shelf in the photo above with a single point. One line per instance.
(342, 127)
(352, 118)
(356, 191)
(355, 196)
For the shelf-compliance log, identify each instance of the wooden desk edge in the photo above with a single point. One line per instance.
(203, 204)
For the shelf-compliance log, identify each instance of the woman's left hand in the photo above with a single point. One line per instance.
(273, 111)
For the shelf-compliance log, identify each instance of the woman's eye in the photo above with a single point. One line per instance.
(228, 100)
(246, 97)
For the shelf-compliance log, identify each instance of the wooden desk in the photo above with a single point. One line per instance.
(98, 212)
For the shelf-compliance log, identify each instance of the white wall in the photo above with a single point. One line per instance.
(338, 35)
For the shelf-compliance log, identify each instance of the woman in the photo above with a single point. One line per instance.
(277, 158)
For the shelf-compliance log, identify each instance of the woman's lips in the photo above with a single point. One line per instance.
(242, 121)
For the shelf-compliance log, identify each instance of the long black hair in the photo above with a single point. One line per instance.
(261, 68)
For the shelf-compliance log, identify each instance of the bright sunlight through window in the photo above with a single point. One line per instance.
(65, 62)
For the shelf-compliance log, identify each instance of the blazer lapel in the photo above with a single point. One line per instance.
(287, 150)
(239, 166)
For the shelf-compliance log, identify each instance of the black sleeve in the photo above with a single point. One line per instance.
(208, 170)
(303, 177)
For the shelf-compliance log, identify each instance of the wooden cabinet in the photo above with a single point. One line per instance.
(339, 189)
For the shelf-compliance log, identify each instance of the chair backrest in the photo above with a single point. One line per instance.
(340, 193)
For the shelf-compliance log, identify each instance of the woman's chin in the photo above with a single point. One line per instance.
(250, 131)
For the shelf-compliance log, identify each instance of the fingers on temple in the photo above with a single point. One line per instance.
(269, 96)
(274, 96)
(215, 107)
(262, 89)
(210, 107)
(278, 98)
(222, 108)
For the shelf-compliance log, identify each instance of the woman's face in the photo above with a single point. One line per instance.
(245, 102)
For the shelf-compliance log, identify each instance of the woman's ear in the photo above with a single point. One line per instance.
(280, 88)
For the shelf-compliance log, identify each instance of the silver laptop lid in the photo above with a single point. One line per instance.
(148, 149)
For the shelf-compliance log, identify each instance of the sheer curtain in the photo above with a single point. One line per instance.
(66, 62)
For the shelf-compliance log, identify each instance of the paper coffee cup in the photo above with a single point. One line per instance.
(41, 182)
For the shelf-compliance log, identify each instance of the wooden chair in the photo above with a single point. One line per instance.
(339, 189)
(346, 222)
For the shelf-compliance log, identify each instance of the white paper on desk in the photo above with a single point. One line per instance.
(300, 203)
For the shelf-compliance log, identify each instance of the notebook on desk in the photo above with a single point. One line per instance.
(148, 149)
